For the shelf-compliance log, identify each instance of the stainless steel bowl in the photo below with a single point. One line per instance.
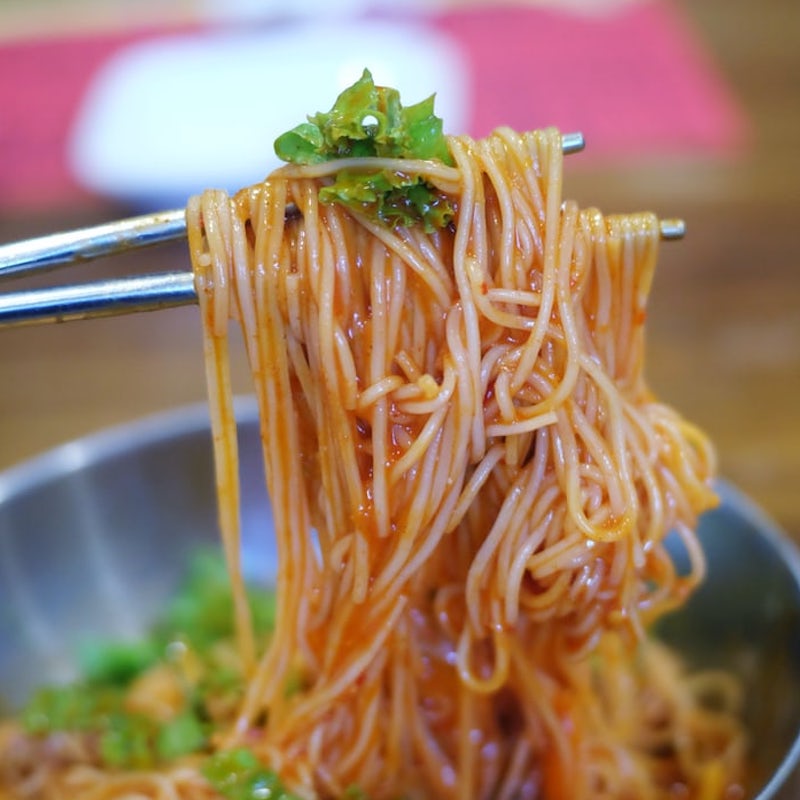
(94, 535)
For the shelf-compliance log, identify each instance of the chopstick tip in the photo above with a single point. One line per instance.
(572, 142)
(672, 229)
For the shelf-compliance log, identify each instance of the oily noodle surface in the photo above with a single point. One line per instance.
(470, 483)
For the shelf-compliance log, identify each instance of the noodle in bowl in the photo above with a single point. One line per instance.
(119, 512)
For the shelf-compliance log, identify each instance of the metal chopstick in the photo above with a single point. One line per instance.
(70, 247)
(141, 293)
(99, 299)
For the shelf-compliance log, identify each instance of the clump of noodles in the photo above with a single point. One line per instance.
(470, 480)
(471, 484)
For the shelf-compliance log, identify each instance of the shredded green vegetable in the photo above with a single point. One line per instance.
(239, 775)
(125, 739)
(200, 616)
(369, 121)
(202, 612)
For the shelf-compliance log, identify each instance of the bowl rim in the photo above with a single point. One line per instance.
(789, 552)
(112, 441)
(179, 421)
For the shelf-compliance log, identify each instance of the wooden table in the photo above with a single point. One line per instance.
(724, 324)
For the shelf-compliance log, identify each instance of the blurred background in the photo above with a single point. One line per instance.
(691, 109)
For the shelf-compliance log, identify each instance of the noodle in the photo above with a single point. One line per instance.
(471, 484)
(522, 469)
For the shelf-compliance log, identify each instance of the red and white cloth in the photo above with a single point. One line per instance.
(636, 80)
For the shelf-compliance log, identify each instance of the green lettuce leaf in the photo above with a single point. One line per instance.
(370, 121)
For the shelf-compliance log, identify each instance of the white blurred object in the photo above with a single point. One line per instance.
(168, 117)
(310, 9)
(270, 9)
